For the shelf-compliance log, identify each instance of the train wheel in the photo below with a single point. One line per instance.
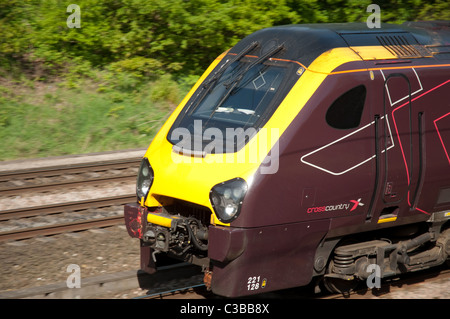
(339, 285)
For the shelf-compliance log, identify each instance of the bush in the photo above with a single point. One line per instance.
(147, 38)
(165, 90)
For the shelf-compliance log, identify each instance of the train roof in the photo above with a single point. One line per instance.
(305, 42)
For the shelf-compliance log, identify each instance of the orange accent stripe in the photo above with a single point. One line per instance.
(388, 68)
(275, 59)
(355, 70)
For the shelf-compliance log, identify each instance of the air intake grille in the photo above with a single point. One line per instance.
(187, 209)
(398, 45)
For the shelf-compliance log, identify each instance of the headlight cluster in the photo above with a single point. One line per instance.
(144, 179)
(226, 199)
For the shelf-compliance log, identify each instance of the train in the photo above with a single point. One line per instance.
(305, 154)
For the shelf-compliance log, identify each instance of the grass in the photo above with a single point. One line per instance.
(52, 119)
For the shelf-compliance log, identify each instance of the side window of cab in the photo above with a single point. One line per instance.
(346, 111)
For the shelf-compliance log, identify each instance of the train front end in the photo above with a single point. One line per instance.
(201, 166)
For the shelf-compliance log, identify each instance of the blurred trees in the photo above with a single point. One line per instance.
(148, 38)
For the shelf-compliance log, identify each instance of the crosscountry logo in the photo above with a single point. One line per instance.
(329, 208)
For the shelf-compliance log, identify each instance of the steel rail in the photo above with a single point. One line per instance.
(68, 206)
(68, 169)
(166, 278)
(26, 233)
(58, 185)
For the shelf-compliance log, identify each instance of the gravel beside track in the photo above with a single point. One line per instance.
(428, 289)
(44, 260)
(63, 196)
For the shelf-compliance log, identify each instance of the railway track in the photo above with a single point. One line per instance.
(24, 182)
(67, 206)
(64, 176)
(49, 230)
(166, 287)
(168, 280)
(185, 281)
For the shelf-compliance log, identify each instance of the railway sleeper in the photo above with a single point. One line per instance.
(350, 263)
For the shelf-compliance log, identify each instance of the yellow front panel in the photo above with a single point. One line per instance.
(191, 178)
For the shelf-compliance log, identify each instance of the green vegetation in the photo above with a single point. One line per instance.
(51, 119)
(111, 83)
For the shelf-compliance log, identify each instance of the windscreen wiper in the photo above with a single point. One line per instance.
(231, 84)
(206, 85)
(237, 57)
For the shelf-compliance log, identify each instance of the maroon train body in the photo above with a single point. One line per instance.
(363, 170)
